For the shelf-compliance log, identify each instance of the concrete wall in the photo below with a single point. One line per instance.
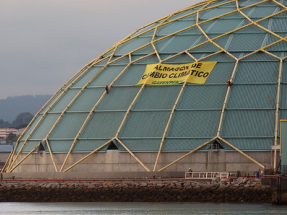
(114, 161)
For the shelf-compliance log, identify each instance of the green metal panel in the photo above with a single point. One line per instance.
(252, 96)
(252, 144)
(283, 135)
(29, 146)
(45, 126)
(174, 26)
(182, 144)
(87, 146)
(147, 60)
(60, 146)
(29, 130)
(145, 124)
(141, 145)
(261, 11)
(206, 48)
(201, 97)
(194, 124)
(248, 123)
(103, 125)
(208, 14)
(132, 44)
(107, 76)
(51, 102)
(177, 44)
(220, 58)
(256, 72)
(131, 76)
(112, 102)
(87, 99)
(221, 26)
(164, 98)
(246, 42)
(183, 58)
(69, 125)
(87, 76)
(220, 73)
(65, 100)
(145, 50)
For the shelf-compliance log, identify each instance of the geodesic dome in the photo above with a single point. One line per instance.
(246, 38)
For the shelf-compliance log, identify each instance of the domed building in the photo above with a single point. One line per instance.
(104, 119)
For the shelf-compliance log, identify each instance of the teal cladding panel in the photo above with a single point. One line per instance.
(202, 97)
(119, 98)
(141, 145)
(283, 95)
(132, 44)
(208, 14)
(45, 126)
(252, 96)
(87, 146)
(145, 29)
(29, 146)
(261, 12)
(87, 99)
(147, 60)
(194, 124)
(182, 144)
(284, 145)
(220, 73)
(259, 57)
(281, 46)
(131, 76)
(123, 61)
(145, 124)
(103, 125)
(284, 72)
(69, 125)
(51, 102)
(29, 130)
(206, 48)
(183, 13)
(157, 97)
(248, 123)
(145, 50)
(221, 26)
(174, 26)
(246, 42)
(221, 57)
(177, 44)
(183, 58)
(60, 146)
(19, 146)
(278, 25)
(107, 76)
(65, 100)
(256, 72)
(252, 144)
(87, 77)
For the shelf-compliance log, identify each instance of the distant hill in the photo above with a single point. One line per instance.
(11, 107)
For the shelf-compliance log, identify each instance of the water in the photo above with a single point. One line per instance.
(113, 208)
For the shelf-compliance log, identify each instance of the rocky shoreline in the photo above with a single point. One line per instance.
(247, 190)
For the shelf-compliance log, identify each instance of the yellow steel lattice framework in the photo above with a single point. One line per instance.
(203, 6)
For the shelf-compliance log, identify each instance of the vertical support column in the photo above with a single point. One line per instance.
(277, 113)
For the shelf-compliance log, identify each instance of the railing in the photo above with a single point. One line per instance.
(206, 175)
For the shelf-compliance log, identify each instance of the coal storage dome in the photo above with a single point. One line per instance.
(101, 121)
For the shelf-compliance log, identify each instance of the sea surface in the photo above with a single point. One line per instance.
(138, 208)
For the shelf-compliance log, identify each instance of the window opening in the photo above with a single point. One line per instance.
(112, 146)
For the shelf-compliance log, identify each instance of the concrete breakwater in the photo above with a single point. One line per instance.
(237, 191)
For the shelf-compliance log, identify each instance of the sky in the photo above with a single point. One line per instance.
(45, 42)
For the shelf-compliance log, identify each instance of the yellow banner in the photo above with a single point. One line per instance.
(166, 74)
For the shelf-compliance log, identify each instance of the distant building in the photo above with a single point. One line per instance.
(5, 150)
(4, 132)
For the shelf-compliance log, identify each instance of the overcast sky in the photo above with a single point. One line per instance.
(45, 42)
